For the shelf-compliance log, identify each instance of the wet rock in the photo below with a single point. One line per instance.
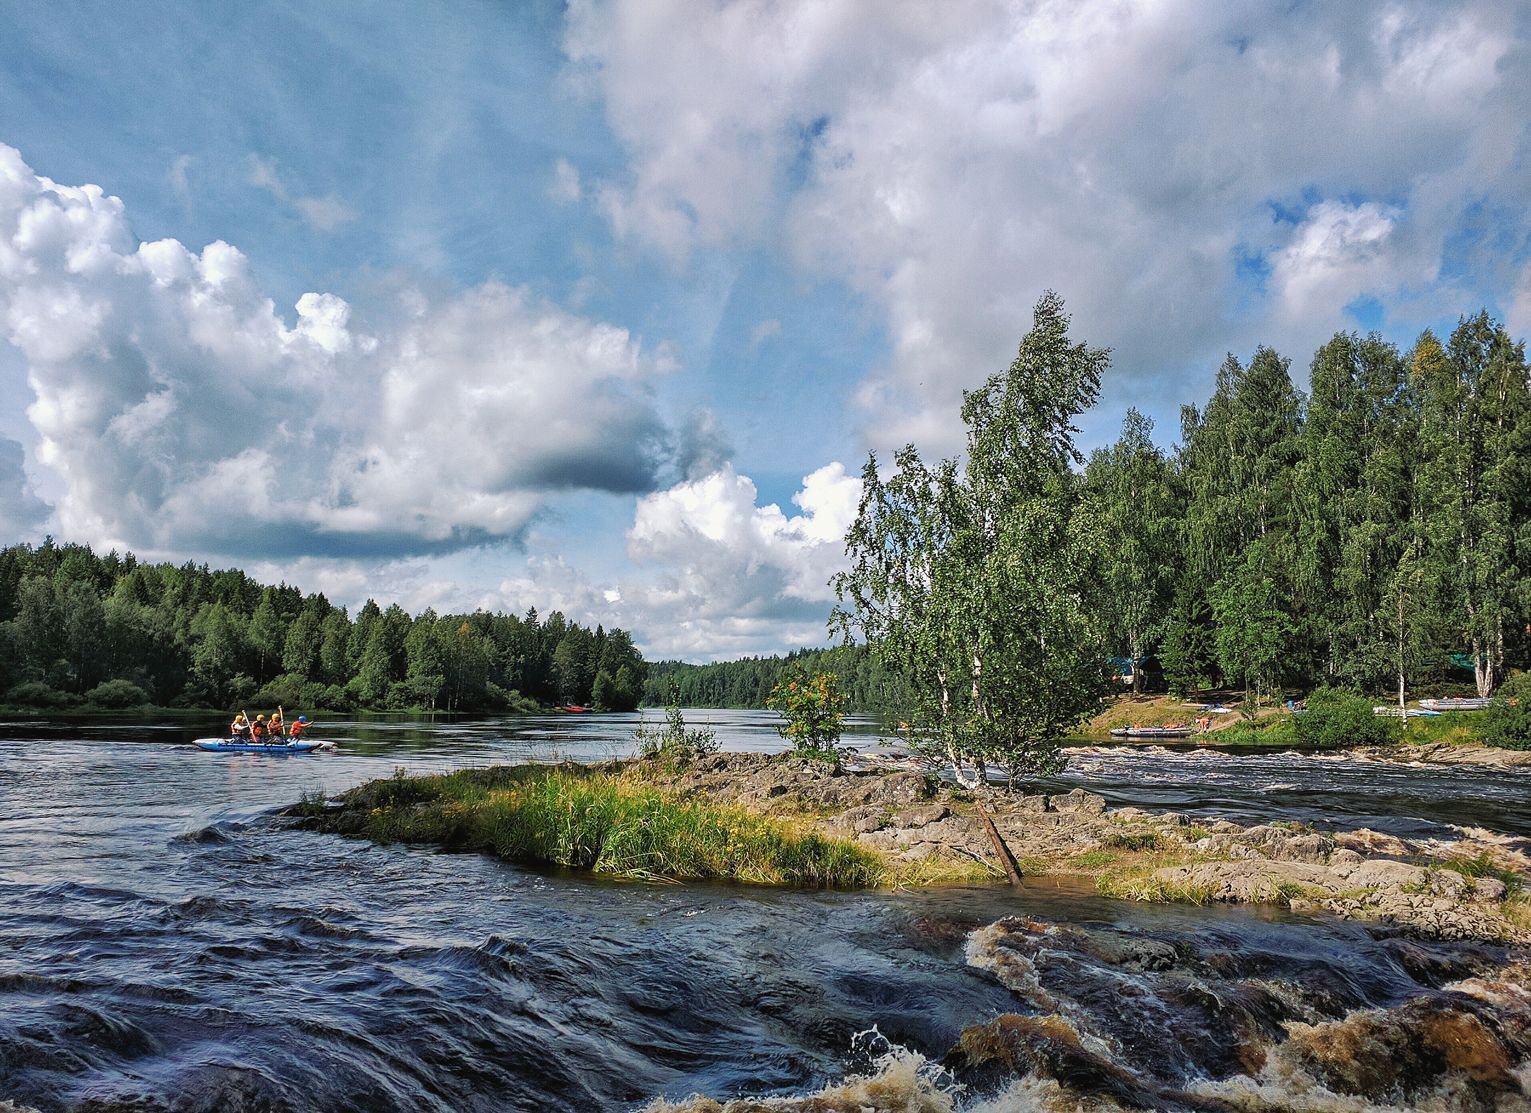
(1129, 951)
(987, 1056)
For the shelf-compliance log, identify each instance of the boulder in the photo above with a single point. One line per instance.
(1078, 801)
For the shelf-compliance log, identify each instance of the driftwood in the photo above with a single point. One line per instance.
(1007, 859)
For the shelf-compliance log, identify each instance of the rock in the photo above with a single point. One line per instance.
(1078, 801)
(1489, 888)
(1129, 951)
(920, 817)
(1383, 874)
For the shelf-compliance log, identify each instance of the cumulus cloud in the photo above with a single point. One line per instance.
(952, 161)
(181, 411)
(21, 511)
(736, 577)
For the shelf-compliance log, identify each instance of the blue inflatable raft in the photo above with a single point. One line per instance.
(242, 746)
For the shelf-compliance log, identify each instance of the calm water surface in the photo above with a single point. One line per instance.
(166, 942)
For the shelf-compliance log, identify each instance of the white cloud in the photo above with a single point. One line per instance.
(21, 511)
(764, 331)
(565, 187)
(179, 177)
(1337, 252)
(950, 162)
(324, 214)
(1518, 315)
(733, 576)
(180, 411)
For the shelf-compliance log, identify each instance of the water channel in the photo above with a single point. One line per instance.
(168, 942)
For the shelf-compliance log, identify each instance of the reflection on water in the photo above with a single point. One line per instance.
(168, 943)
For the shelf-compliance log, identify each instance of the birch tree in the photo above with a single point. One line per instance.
(968, 578)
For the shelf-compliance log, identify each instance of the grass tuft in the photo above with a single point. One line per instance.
(571, 817)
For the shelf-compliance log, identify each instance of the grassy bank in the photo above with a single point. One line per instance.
(599, 821)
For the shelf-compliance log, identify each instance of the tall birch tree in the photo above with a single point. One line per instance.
(968, 579)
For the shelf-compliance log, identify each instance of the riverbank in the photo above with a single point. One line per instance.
(924, 832)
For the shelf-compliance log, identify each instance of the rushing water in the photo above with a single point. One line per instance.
(167, 941)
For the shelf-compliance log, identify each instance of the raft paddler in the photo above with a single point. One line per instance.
(240, 727)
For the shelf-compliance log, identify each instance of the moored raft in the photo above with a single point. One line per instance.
(1455, 703)
(1152, 732)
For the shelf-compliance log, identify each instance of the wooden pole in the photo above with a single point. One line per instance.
(1012, 867)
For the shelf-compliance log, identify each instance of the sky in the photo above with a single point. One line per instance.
(601, 307)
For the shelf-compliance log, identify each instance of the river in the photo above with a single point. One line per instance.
(168, 942)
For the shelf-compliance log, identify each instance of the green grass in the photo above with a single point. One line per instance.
(1095, 859)
(1484, 866)
(1142, 885)
(1132, 840)
(1456, 728)
(1265, 732)
(579, 819)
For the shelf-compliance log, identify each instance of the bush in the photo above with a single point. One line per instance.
(1507, 722)
(34, 693)
(810, 710)
(1340, 717)
(674, 740)
(117, 693)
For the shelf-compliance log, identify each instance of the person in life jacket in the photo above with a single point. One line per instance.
(299, 727)
(274, 725)
(258, 729)
(240, 727)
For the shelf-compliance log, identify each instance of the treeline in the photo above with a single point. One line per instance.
(1372, 533)
(107, 630)
(866, 685)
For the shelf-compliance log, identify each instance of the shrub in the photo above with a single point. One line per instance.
(34, 693)
(1507, 722)
(674, 740)
(1339, 717)
(117, 693)
(810, 710)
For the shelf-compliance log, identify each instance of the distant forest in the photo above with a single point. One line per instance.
(111, 632)
(867, 687)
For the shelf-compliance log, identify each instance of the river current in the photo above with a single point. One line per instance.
(167, 941)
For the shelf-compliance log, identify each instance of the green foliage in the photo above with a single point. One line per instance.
(34, 693)
(1340, 717)
(810, 709)
(1483, 865)
(971, 581)
(190, 636)
(116, 694)
(1131, 494)
(674, 741)
(1507, 721)
(589, 821)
